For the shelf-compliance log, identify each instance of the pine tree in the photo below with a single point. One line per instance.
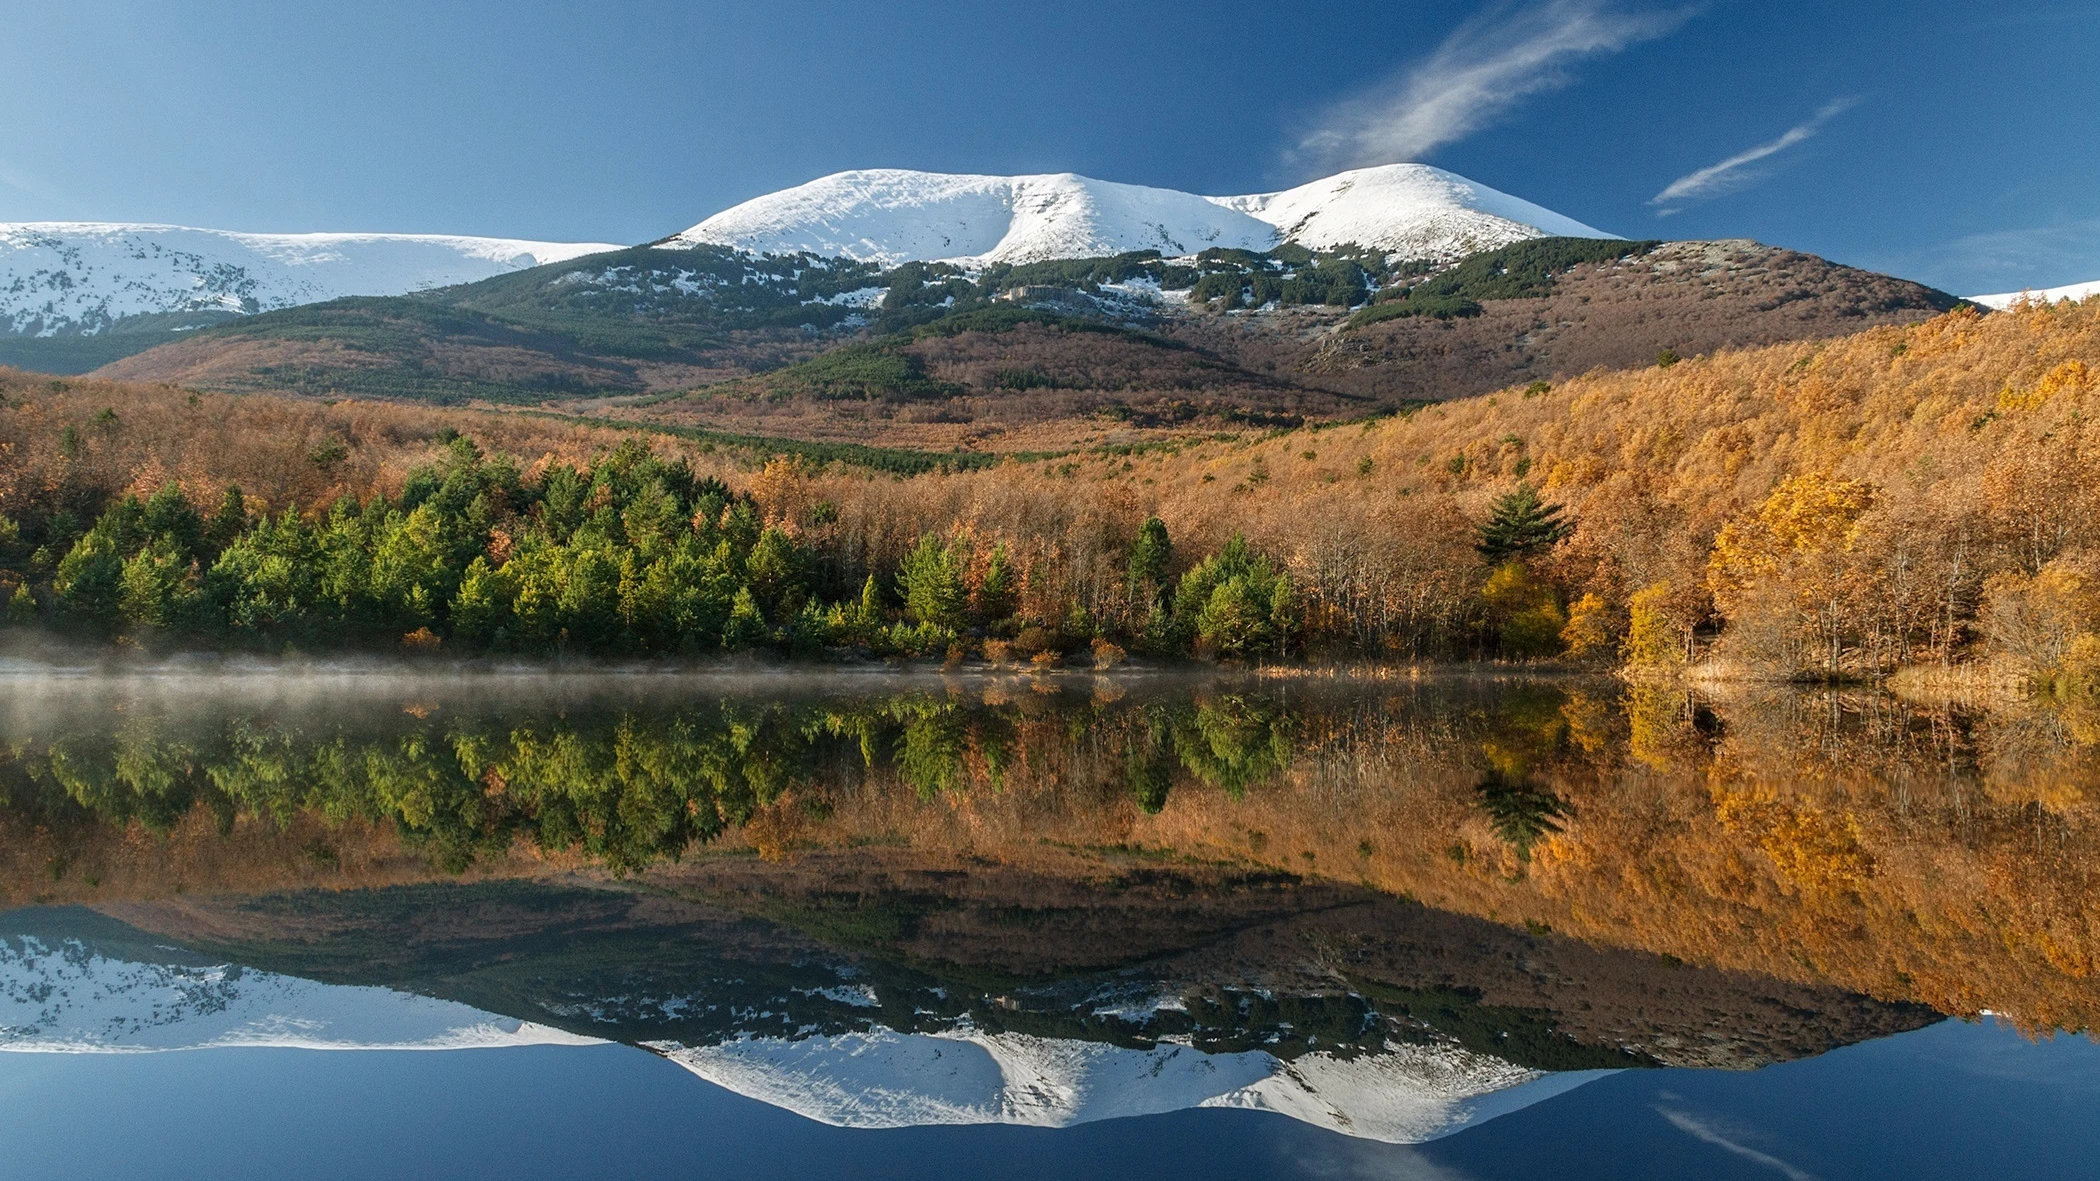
(870, 603)
(1519, 526)
(746, 628)
(931, 585)
(21, 607)
(228, 522)
(1149, 556)
(1520, 814)
(995, 595)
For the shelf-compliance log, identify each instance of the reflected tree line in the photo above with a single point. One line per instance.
(1907, 851)
(626, 787)
(633, 783)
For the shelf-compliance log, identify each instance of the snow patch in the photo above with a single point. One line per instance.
(2073, 292)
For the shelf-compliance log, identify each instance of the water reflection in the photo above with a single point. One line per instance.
(1345, 1010)
(1022, 827)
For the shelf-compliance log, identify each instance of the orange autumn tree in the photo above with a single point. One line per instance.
(1791, 577)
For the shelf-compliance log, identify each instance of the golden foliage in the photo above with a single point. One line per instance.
(1817, 851)
(1844, 500)
(1589, 628)
(1653, 636)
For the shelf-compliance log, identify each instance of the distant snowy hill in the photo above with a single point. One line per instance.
(895, 215)
(2075, 291)
(63, 278)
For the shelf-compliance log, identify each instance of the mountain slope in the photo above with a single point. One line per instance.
(65, 996)
(62, 994)
(884, 1079)
(896, 215)
(995, 381)
(1039, 357)
(1689, 298)
(618, 322)
(75, 295)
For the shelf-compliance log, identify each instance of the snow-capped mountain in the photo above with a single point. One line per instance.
(60, 278)
(2074, 291)
(896, 215)
(75, 278)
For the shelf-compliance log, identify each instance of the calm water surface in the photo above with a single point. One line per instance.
(880, 926)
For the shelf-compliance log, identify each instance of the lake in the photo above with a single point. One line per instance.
(355, 922)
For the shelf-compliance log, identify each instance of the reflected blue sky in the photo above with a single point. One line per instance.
(1954, 1100)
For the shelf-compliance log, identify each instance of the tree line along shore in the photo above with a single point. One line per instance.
(1906, 497)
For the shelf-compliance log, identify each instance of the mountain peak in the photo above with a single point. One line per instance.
(891, 216)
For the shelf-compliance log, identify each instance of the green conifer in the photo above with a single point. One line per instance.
(1520, 526)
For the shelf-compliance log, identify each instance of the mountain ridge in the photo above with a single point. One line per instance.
(894, 216)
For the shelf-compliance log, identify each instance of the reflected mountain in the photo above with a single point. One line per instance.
(1348, 1010)
(73, 982)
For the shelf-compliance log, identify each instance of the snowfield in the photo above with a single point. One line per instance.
(2074, 292)
(81, 277)
(1411, 210)
(896, 215)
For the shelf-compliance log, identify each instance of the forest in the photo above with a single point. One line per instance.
(1908, 497)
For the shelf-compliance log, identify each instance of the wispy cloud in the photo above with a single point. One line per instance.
(2034, 256)
(1735, 172)
(27, 184)
(1701, 1130)
(1481, 70)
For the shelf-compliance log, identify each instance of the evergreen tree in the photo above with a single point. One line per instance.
(870, 603)
(931, 585)
(775, 573)
(1234, 603)
(1519, 526)
(1520, 814)
(746, 627)
(996, 594)
(21, 607)
(228, 522)
(1149, 557)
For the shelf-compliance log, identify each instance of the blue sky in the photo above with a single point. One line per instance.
(1954, 143)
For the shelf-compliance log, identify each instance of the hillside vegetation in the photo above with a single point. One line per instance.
(605, 323)
(1901, 496)
(1043, 356)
